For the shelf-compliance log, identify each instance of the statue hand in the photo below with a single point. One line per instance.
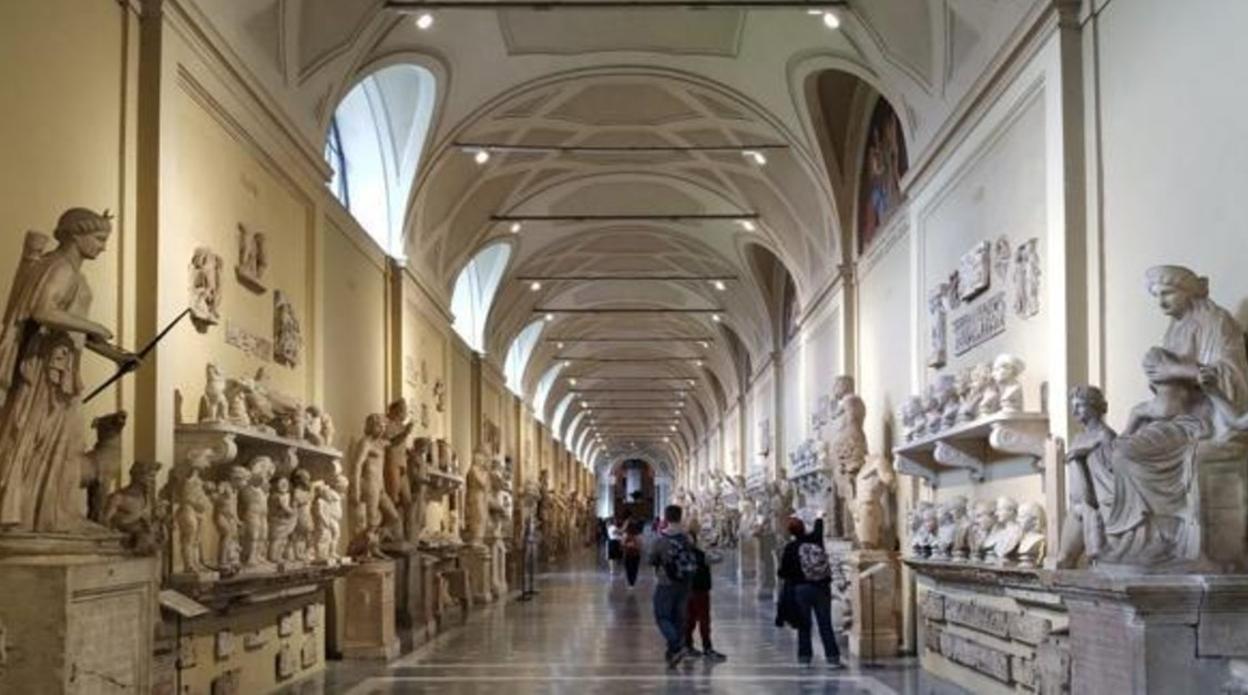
(1208, 377)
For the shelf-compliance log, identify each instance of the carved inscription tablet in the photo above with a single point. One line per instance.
(994, 621)
(986, 660)
(979, 325)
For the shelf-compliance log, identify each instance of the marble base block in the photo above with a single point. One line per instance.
(747, 560)
(874, 591)
(765, 562)
(416, 598)
(370, 612)
(477, 562)
(498, 569)
(1155, 633)
(76, 624)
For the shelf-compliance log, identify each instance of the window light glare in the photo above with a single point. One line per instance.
(424, 21)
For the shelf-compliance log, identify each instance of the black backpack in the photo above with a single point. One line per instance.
(814, 561)
(682, 561)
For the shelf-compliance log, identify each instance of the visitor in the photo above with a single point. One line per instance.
(614, 550)
(807, 589)
(674, 566)
(632, 551)
(698, 613)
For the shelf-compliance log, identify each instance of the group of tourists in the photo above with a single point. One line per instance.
(682, 592)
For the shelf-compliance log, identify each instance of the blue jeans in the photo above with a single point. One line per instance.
(669, 613)
(816, 598)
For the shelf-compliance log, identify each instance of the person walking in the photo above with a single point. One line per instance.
(632, 551)
(674, 565)
(614, 550)
(698, 613)
(807, 590)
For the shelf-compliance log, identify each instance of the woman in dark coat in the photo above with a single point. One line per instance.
(803, 594)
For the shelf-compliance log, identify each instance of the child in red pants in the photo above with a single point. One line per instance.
(699, 609)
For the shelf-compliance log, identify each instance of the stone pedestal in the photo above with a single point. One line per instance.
(416, 598)
(747, 560)
(76, 624)
(765, 564)
(477, 561)
(498, 569)
(873, 591)
(1155, 634)
(369, 601)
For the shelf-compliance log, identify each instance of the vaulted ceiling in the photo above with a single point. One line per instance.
(627, 246)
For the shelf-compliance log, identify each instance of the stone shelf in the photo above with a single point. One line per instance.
(226, 440)
(259, 587)
(973, 446)
(979, 573)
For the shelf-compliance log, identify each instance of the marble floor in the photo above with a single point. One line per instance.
(587, 632)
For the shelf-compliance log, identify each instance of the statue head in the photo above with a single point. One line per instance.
(1176, 288)
(1007, 367)
(144, 473)
(340, 483)
(957, 508)
(1087, 404)
(984, 516)
(397, 411)
(1031, 517)
(239, 477)
(84, 229)
(1007, 510)
(301, 479)
(842, 386)
(282, 486)
(374, 425)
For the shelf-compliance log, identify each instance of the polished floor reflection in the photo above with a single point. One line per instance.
(587, 632)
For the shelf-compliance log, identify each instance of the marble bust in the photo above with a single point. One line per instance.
(981, 530)
(1031, 545)
(1004, 540)
(1005, 372)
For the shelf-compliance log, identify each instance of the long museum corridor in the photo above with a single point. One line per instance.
(329, 322)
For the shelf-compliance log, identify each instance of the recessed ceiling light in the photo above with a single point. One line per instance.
(672, 427)
(424, 21)
(535, 286)
(719, 285)
(747, 225)
(550, 317)
(715, 318)
(830, 20)
(481, 157)
(515, 226)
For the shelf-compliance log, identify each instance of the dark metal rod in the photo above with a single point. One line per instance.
(413, 5)
(676, 217)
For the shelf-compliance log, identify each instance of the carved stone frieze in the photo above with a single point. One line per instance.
(979, 657)
(978, 616)
(932, 607)
(1030, 628)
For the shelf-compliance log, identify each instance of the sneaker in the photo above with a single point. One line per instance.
(836, 665)
(674, 658)
(692, 653)
(713, 655)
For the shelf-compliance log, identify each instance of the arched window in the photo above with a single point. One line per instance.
(474, 293)
(374, 144)
(518, 356)
(543, 391)
(560, 411)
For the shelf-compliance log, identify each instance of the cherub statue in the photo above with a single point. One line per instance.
(253, 508)
(328, 517)
(282, 519)
(225, 518)
(318, 426)
(205, 287)
(213, 406)
(191, 497)
(301, 497)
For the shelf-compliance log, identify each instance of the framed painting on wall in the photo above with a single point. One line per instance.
(883, 164)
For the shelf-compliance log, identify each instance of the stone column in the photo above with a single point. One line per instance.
(874, 592)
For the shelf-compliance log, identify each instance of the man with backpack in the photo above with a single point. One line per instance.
(674, 566)
(807, 589)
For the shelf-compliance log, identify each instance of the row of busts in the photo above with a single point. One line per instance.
(251, 403)
(953, 399)
(1003, 532)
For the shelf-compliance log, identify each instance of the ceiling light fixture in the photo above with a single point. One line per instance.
(754, 155)
(572, 381)
(515, 226)
(481, 157)
(559, 346)
(424, 21)
(672, 427)
(830, 20)
(704, 345)
(715, 318)
(550, 317)
(719, 285)
(535, 286)
(747, 225)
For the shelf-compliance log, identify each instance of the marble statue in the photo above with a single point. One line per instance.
(133, 510)
(979, 377)
(374, 510)
(225, 518)
(439, 395)
(398, 430)
(780, 508)
(934, 408)
(1001, 255)
(476, 499)
(213, 406)
(327, 517)
(1201, 334)
(1031, 546)
(192, 503)
(937, 350)
(253, 259)
(318, 427)
(287, 335)
(982, 528)
(44, 332)
(103, 462)
(870, 506)
(281, 521)
(1005, 372)
(924, 524)
(419, 465)
(1003, 541)
(1092, 485)
(302, 495)
(254, 513)
(846, 449)
(912, 419)
(501, 503)
(205, 288)
(238, 415)
(973, 269)
(1027, 278)
(951, 399)
(952, 530)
